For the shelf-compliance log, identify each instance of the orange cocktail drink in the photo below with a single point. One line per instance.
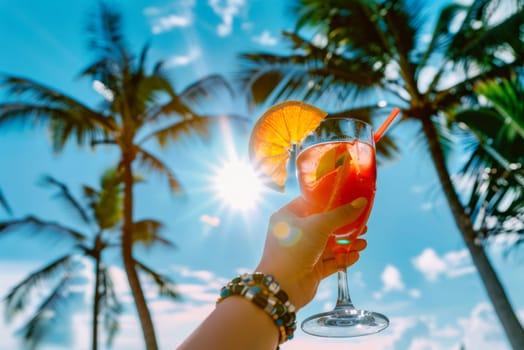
(334, 173)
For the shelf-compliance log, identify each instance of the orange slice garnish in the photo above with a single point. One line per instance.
(274, 134)
(332, 159)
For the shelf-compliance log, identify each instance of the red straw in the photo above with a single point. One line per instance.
(382, 129)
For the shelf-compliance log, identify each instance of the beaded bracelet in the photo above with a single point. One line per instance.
(265, 293)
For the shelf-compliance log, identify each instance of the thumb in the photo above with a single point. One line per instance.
(329, 221)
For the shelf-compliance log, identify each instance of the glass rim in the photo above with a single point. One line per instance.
(327, 118)
(359, 124)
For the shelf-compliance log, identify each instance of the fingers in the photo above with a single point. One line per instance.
(359, 245)
(297, 207)
(329, 221)
(330, 265)
(352, 258)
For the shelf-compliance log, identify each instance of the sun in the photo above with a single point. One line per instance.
(237, 184)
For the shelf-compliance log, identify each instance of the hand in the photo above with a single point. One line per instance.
(295, 252)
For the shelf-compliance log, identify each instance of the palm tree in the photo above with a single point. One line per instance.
(494, 174)
(376, 48)
(100, 215)
(100, 212)
(139, 106)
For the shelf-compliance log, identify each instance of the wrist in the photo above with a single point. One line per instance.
(266, 293)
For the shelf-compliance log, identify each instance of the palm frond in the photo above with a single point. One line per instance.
(495, 199)
(204, 90)
(18, 297)
(442, 34)
(150, 93)
(65, 117)
(150, 163)
(33, 224)
(403, 19)
(110, 306)
(277, 78)
(190, 124)
(165, 285)
(107, 204)
(478, 41)
(175, 106)
(494, 174)
(90, 194)
(141, 66)
(506, 96)
(147, 232)
(260, 82)
(66, 196)
(456, 94)
(490, 131)
(4, 203)
(106, 38)
(25, 88)
(445, 136)
(342, 22)
(47, 315)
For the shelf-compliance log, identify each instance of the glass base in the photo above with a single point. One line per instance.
(345, 322)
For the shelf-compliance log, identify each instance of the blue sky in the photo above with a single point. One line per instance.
(415, 270)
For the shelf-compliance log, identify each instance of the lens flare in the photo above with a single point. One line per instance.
(286, 234)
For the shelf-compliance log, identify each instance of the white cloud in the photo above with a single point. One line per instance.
(430, 264)
(226, 10)
(265, 39)
(202, 275)
(183, 60)
(452, 264)
(166, 23)
(414, 293)
(213, 221)
(392, 279)
(163, 19)
(197, 292)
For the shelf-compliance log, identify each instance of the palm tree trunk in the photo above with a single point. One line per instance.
(488, 276)
(129, 263)
(96, 303)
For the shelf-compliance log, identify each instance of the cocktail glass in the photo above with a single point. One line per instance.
(336, 165)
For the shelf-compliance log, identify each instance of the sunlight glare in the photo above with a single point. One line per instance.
(237, 184)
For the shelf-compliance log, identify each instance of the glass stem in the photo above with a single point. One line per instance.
(344, 300)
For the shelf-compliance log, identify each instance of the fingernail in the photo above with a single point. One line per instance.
(360, 202)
